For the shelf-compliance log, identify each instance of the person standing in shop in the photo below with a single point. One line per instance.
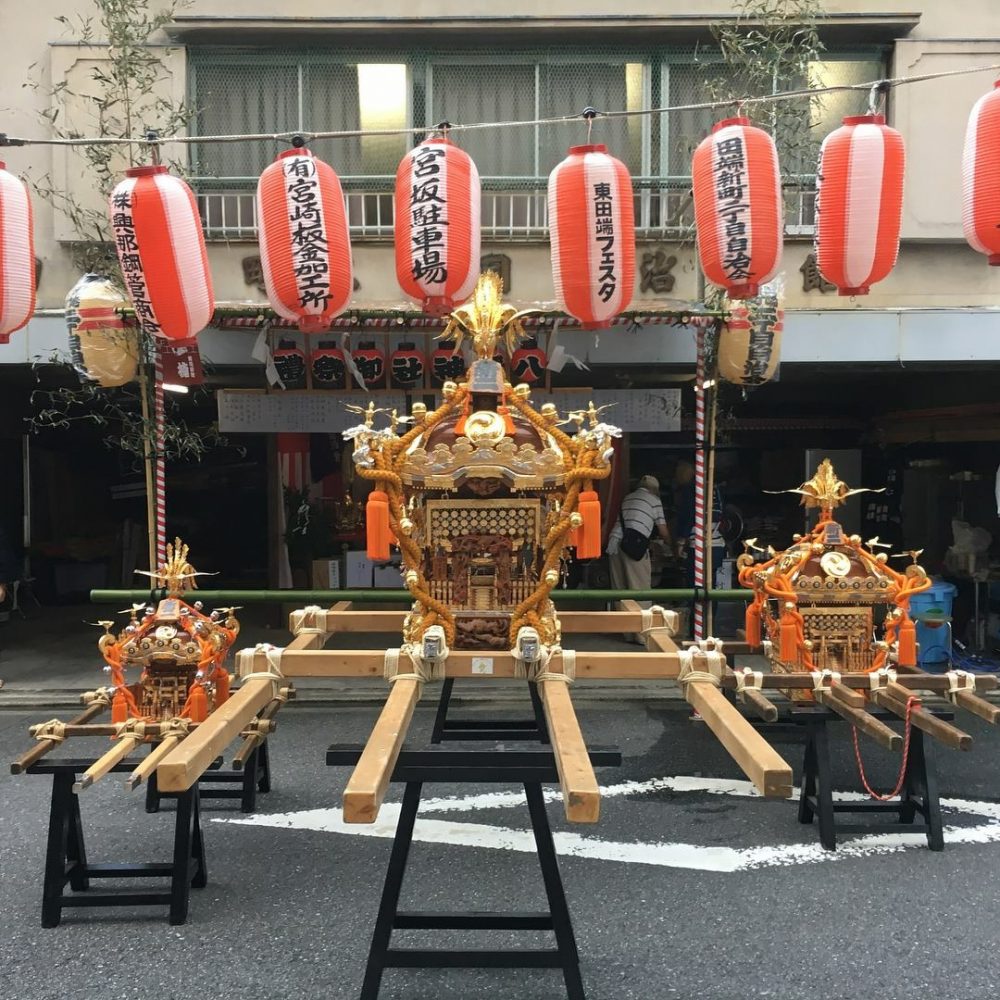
(639, 518)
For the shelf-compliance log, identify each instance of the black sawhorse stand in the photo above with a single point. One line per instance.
(497, 764)
(255, 777)
(66, 855)
(918, 798)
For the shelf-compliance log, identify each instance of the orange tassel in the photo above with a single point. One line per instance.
(789, 646)
(753, 625)
(589, 535)
(197, 704)
(907, 643)
(221, 687)
(460, 423)
(508, 420)
(377, 530)
(119, 707)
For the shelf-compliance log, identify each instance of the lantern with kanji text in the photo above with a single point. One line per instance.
(290, 363)
(447, 365)
(437, 228)
(592, 227)
(305, 247)
(329, 370)
(527, 363)
(370, 363)
(738, 207)
(103, 347)
(406, 366)
(161, 249)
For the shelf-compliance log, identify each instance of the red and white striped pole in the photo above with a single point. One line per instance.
(699, 487)
(160, 473)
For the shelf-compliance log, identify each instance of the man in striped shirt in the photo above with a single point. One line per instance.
(642, 511)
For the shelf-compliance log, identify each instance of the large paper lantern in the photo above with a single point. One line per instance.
(447, 364)
(437, 206)
(290, 364)
(103, 347)
(981, 177)
(161, 250)
(305, 246)
(592, 229)
(859, 203)
(738, 207)
(17, 255)
(750, 341)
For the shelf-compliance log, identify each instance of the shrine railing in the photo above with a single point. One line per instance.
(514, 209)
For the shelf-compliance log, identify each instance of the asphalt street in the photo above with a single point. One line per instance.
(688, 889)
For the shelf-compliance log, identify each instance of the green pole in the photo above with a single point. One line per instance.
(209, 597)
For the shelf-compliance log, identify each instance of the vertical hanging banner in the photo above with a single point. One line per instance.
(437, 227)
(592, 225)
(738, 207)
(182, 364)
(17, 255)
(305, 247)
(161, 249)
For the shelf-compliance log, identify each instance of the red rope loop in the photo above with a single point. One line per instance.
(911, 702)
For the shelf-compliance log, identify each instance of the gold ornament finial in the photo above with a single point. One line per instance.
(825, 490)
(486, 320)
(176, 575)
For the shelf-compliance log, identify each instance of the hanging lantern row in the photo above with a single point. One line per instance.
(306, 253)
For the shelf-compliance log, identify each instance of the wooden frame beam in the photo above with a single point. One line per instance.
(581, 793)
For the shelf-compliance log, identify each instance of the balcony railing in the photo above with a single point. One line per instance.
(513, 209)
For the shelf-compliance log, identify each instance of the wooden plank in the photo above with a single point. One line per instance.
(977, 706)
(369, 780)
(951, 736)
(149, 763)
(918, 681)
(472, 663)
(758, 760)
(189, 760)
(868, 724)
(581, 794)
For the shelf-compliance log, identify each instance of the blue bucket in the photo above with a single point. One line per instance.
(931, 610)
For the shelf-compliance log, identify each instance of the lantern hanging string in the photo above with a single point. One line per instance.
(882, 85)
(160, 421)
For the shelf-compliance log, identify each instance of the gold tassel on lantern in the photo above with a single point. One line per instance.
(377, 533)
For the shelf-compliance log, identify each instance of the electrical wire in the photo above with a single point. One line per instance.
(873, 87)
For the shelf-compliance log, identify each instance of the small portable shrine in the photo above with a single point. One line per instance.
(831, 601)
(178, 650)
(484, 494)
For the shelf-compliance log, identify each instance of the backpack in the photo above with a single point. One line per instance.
(634, 544)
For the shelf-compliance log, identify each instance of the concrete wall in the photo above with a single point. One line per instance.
(936, 268)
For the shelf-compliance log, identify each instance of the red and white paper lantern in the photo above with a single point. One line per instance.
(738, 207)
(161, 250)
(859, 203)
(981, 177)
(437, 206)
(17, 255)
(305, 246)
(592, 228)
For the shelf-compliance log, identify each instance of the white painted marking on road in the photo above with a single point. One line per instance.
(667, 854)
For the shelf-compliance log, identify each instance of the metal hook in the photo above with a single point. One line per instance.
(442, 128)
(589, 114)
(298, 141)
(879, 89)
(153, 138)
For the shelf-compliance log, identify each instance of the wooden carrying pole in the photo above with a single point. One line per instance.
(42, 747)
(581, 793)
(369, 780)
